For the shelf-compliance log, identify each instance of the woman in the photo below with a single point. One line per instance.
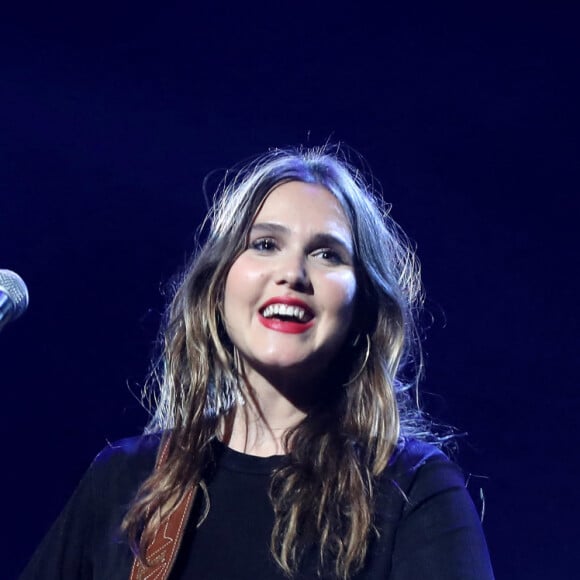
(285, 442)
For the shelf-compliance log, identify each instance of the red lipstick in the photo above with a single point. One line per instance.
(287, 326)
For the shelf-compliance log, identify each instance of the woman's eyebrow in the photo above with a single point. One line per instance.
(269, 228)
(333, 241)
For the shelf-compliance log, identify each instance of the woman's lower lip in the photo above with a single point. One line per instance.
(285, 325)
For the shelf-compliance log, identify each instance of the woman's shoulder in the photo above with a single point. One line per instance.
(421, 467)
(411, 454)
(129, 458)
(131, 448)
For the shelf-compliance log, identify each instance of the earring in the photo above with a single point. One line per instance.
(366, 358)
(239, 374)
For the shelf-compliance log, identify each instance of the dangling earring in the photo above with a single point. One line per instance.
(366, 358)
(238, 371)
(237, 360)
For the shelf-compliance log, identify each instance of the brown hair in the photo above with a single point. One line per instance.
(337, 452)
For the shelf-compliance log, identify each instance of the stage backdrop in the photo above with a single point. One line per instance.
(112, 115)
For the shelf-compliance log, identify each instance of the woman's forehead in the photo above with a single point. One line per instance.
(300, 203)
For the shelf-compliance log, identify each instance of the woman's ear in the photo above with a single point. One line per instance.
(365, 314)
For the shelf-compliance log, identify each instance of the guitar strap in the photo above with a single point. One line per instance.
(162, 551)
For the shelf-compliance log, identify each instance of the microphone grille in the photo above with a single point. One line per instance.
(13, 285)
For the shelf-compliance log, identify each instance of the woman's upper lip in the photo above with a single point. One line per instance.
(289, 301)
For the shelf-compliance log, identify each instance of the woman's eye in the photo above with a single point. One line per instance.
(329, 255)
(263, 244)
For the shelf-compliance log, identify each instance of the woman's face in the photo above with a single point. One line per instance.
(290, 296)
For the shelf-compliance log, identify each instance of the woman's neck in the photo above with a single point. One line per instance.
(258, 426)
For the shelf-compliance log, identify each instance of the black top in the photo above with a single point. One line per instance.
(234, 540)
(428, 526)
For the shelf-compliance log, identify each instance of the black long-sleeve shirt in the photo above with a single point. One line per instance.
(428, 526)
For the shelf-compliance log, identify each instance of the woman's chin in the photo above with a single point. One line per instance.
(287, 368)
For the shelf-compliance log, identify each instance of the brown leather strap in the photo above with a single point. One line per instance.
(162, 551)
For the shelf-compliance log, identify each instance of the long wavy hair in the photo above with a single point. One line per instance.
(324, 495)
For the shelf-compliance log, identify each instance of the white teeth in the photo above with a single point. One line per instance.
(284, 310)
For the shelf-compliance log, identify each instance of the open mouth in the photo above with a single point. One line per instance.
(287, 312)
(287, 318)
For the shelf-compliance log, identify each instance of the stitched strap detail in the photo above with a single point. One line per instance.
(162, 551)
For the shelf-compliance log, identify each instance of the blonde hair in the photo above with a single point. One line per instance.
(341, 447)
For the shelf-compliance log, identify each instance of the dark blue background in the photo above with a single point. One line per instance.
(112, 114)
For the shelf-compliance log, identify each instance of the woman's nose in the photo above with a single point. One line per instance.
(293, 271)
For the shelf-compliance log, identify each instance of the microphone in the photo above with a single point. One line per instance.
(13, 297)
